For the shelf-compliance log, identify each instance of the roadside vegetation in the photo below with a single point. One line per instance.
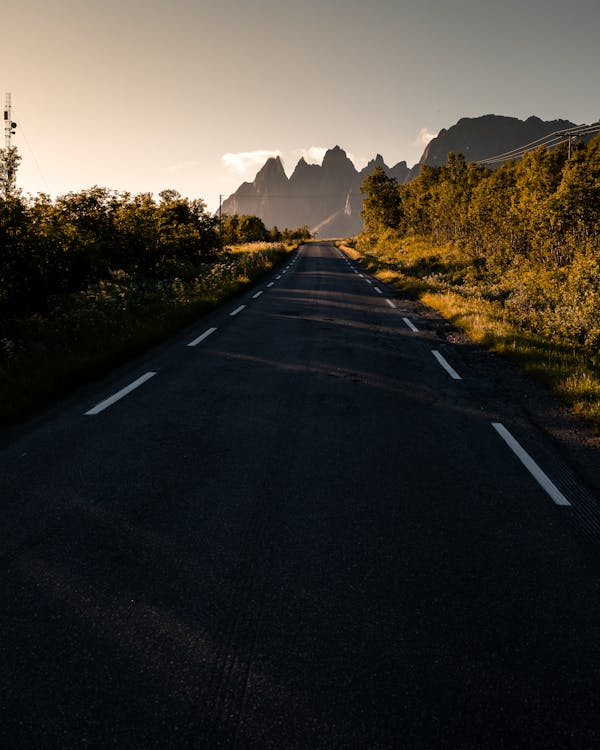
(512, 256)
(92, 278)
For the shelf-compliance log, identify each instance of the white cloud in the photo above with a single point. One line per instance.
(313, 154)
(316, 154)
(244, 160)
(358, 161)
(424, 137)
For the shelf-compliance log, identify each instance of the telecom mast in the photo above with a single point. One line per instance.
(9, 125)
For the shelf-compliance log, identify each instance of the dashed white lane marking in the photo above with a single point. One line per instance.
(541, 477)
(408, 322)
(378, 290)
(368, 281)
(361, 275)
(119, 395)
(202, 336)
(257, 295)
(355, 271)
(390, 303)
(237, 311)
(278, 277)
(449, 369)
(270, 283)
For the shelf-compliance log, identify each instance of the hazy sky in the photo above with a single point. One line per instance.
(141, 95)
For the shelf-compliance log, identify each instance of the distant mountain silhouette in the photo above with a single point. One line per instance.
(327, 197)
(489, 135)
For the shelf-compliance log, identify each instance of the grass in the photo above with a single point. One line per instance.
(83, 335)
(495, 312)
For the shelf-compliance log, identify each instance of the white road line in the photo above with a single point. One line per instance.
(449, 369)
(378, 290)
(355, 271)
(257, 295)
(270, 283)
(237, 311)
(278, 277)
(408, 322)
(119, 395)
(368, 281)
(202, 336)
(390, 303)
(541, 478)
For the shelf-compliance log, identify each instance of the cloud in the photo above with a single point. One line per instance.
(242, 161)
(358, 161)
(424, 137)
(316, 154)
(313, 154)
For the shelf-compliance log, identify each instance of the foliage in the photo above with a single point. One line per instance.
(91, 277)
(519, 245)
(240, 228)
(55, 247)
(545, 207)
(81, 334)
(382, 207)
(9, 163)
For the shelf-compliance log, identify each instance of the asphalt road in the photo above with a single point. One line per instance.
(322, 525)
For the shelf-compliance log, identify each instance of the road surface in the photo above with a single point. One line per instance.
(310, 522)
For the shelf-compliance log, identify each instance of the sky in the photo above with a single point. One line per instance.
(194, 95)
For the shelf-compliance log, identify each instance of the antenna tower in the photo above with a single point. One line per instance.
(9, 125)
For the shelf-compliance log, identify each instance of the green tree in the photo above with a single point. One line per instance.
(251, 229)
(9, 164)
(382, 206)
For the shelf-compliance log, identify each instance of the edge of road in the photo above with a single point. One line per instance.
(12, 432)
(570, 437)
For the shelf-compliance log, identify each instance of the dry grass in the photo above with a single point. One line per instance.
(350, 251)
(87, 333)
(442, 279)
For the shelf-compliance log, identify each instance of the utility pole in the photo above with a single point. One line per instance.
(9, 125)
(220, 221)
(9, 157)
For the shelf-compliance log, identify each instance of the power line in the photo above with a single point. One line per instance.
(522, 149)
(518, 152)
(547, 141)
(33, 156)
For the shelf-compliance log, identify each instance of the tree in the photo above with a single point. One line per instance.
(382, 206)
(9, 163)
(251, 229)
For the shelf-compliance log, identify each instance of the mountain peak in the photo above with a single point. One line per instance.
(272, 167)
(337, 164)
(480, 137)
(378, 161)
(335, 155)
(271, 176)
(327, 197)
(303, 169)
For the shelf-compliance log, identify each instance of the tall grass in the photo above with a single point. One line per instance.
(81, 335)
(548, 322)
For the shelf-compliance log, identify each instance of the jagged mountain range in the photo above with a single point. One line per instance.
(327, 197)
